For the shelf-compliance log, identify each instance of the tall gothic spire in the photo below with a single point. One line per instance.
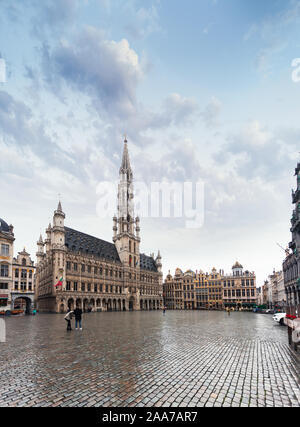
(125, 165)
(125, 194)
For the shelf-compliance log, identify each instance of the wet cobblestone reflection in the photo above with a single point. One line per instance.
(149, 359)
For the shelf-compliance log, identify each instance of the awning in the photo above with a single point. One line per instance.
(5, 296)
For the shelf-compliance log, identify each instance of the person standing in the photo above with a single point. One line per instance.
(78, 314)
(68, 318)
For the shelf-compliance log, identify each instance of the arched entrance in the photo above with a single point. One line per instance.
(92, 304)
(70, 304)
(131, 304)
(85, 305)
(21, 302)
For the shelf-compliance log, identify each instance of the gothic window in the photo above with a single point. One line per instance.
(23, 274)
(17, 272)
(75, 266)
(83, 268)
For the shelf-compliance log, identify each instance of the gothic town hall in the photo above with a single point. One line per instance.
(74, 268)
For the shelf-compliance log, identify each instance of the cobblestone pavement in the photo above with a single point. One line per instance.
(188, 359)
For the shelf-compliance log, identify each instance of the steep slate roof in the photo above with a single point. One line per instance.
(147, 263)
(89, 245)
(3, 226)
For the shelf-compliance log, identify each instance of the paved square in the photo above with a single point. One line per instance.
(182, 358)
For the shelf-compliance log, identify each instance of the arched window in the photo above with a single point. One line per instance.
(24, 261)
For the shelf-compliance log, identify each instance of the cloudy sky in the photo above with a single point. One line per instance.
(203, 90)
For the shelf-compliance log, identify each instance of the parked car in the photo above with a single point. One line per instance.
(279, 318)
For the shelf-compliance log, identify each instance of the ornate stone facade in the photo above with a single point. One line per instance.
(23, 291)
(97, 275)
(6, 259)
(291, 264)
(210, 291)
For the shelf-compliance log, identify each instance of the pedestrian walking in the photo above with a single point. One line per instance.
(68, 318)
(164, 310)
(78, 314)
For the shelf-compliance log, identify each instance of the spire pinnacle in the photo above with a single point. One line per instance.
(125, 165)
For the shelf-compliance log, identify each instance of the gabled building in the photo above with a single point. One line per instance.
(74, 268)
(7, 239)
(211, 291)
(23, 291)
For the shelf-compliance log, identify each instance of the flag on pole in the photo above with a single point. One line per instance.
(59, 283)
